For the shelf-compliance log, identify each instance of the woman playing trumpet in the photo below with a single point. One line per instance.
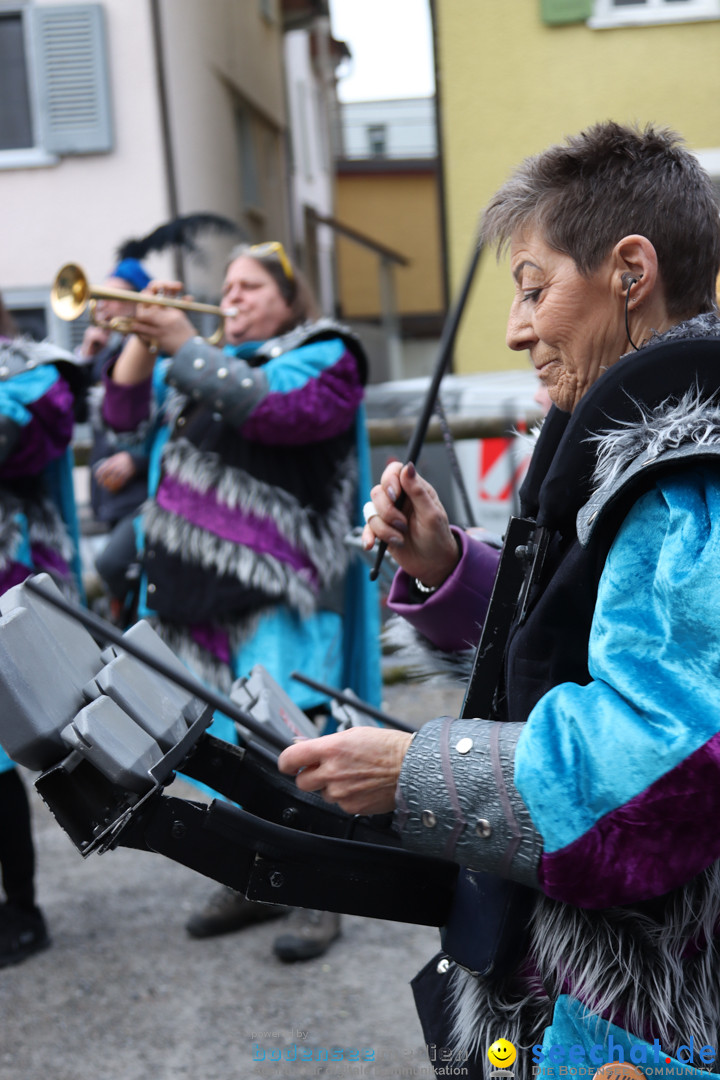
(255, 483)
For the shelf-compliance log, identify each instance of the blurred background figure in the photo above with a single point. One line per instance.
(100, 341)
(119, 461)
(118, 468)
(255, 481)
(38, 533)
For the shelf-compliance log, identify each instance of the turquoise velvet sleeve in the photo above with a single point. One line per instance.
(294, 369)
(654, 658)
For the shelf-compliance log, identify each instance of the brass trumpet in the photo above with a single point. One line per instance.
(71, 294)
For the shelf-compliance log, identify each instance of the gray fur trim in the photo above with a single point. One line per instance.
(198, 546)
(675, 432)
(700, 326)
(422, 661)
(655, 979)
(117, 440)
(665, 428)
(319, 537)
(9, 530)
(483, 1012)
(45, 526)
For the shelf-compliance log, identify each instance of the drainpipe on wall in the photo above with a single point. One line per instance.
(170, 175)
(440, 157)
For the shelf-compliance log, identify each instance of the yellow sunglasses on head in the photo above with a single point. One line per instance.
(274, 247)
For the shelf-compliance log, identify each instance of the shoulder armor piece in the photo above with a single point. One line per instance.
(24, 354)
(309, 331)
(649, 463)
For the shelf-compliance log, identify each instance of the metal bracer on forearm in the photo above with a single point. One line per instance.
(228, 386)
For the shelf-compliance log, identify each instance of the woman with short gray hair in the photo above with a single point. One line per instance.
(594, 779)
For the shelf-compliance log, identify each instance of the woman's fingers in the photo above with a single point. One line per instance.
(358, 769)
(387, 522)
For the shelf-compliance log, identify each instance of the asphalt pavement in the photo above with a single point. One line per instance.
(124, 994)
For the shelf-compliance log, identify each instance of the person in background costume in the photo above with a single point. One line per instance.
(595, 781)
(118, 470)
(255, 483)
(119, 461)
(38, 533)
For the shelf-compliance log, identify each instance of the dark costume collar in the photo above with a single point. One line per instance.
(560, 478)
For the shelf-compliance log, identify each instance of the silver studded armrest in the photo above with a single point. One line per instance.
(225, 384)
(457, 799)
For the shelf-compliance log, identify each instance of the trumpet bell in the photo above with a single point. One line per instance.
(70, 293)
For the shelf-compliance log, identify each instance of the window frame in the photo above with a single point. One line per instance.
(56, 131)
(377, 135)
(35, 156)
(652, 12)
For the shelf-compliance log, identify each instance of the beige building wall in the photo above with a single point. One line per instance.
(79, 208)
(399, 210)
(511, 86)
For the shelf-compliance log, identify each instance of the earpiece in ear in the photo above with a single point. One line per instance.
(628, 280)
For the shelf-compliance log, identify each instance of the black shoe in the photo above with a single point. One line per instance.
(22, 933)
(227, 911)
(309, 933)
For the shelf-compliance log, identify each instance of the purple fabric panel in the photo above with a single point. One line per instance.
(125, 407)
(452, 617)
(47, 435)
(13, 574)
(204, 510)
(323, 407)
(655, 842)
(215, 641)
(45, 558)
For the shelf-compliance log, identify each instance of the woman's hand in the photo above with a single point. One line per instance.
(94, 341)
(419, 535)
(114, 472)
(165, 329)
(357, 769)
(154, 329)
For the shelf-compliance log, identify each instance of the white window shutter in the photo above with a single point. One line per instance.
(71, 77)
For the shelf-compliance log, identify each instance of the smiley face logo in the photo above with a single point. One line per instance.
(502, 1054)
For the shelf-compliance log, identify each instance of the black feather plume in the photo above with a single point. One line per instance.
(180, 232)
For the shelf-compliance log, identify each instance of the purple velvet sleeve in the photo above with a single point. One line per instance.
(321, 408)
(452, 617)
(47, 435)
(125, 407)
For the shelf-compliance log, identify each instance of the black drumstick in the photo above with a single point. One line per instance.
(446, 345)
